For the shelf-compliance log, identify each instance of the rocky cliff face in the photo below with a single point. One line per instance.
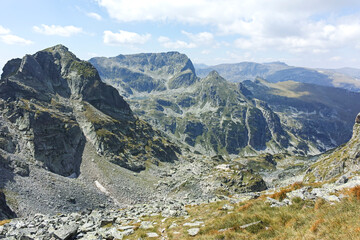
(321, 116)
(5, 211)
(146, 72)
(343, 160)
(52, 103)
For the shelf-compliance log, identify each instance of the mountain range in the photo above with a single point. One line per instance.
(213, 115)
(149, 133)
(347, 78)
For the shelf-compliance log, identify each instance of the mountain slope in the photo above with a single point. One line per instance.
(214, 116)
(62, 130)
(323, 115)
(343, 160)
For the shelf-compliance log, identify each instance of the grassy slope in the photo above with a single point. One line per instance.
(333, 97)
(301, 220)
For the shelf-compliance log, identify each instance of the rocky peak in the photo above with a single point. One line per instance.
(53, 93)
(56, 70)
(214, 78)
(213, 74)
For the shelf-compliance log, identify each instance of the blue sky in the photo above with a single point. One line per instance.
(317, 33)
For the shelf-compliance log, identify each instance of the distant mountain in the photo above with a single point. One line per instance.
(200, 66)
(213, 115)
(313, 112)
(346, 78)
(352, 72)
(146, 72)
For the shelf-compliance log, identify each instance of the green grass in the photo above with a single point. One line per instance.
(84, 68)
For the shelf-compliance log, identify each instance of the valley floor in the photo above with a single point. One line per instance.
(298, 211)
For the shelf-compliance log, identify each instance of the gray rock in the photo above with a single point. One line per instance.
(193, 224)
(275, 203)
(146, 225)
(91, 236)
(115, 233)
(343, 179)
(152, 235)
(250, 224)
(173, 225)
(124, 228)
(193, 231)
(107, 221)
(88, 226)
(128, 232)
(66, 232)
(5, 211)
(227, 207)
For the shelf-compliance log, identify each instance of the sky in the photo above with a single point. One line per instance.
(316, 33)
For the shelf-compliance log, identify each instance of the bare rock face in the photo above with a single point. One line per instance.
(146, 72)
(5, 211)
(357, 119)
(53, 103)
(344, 159)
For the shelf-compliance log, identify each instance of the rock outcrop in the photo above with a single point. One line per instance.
(5, 211)
(343, 160)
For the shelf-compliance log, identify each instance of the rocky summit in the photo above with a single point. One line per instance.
(146, 72)
(139, 147)
(53, 93)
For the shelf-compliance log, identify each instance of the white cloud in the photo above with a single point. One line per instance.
(336, 58)
(4, 30)
(13, 39)
(94, 16)
(293, 26)
(124, 37)
(197, 40)
(63, 31)
(315, 37)
(200, 38)
(218, 11)
(167, 43)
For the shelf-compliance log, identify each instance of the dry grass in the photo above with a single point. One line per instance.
(353, 193)
(316, 225)
(301, 220)
(281, 195)
(319, 203)
(3, 222)
(245, 207)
